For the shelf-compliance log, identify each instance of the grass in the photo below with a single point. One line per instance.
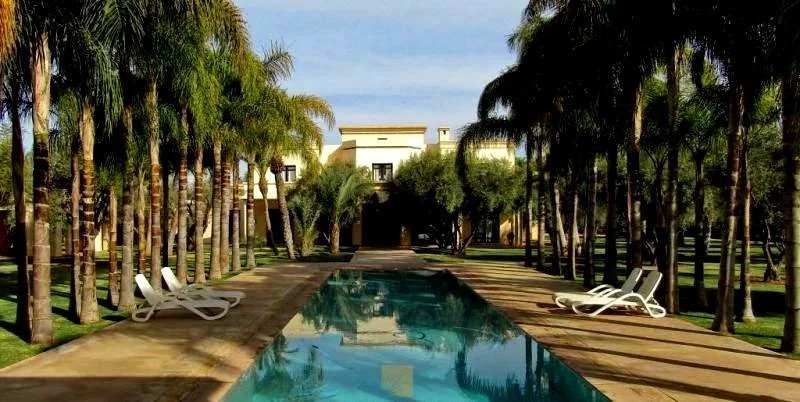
(768, 297)
(14, 349)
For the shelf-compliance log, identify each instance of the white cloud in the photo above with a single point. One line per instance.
(399, 61)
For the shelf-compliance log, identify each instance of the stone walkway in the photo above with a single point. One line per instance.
(179, 357)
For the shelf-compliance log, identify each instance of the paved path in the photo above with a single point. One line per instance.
(386, 259)
(179, 357)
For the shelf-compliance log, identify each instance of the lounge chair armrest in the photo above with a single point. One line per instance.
(610, 292)
(178, 295)
(600, 288)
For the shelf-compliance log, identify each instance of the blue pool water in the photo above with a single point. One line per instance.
(405, 336)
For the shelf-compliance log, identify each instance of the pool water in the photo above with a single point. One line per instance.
(405, 336)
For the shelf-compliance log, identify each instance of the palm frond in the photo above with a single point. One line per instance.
(277, 63)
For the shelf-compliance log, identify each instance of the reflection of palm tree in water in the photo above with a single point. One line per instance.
(340, 304)
(511, 390)
(277, 379)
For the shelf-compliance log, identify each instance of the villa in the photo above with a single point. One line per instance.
(382, 149)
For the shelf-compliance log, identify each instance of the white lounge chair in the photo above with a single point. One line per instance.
(642, 299)
(234, 297)
(563, 299)
(171, 301)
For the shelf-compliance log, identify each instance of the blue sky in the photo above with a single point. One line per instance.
(390, 62)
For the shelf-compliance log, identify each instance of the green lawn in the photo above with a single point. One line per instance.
(13, 349)
(768, 298)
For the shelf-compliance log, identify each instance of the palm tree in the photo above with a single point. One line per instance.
(788, 73)
(151, 59)
(263, 186)
(306, 210)
(251, 218)
(737, 40)
(224, 214)
(702, 121)
(126, 298)
(255, 113)
(341, 190)
(301, 136)
(199, 210)
(36, 22)
(215, 271)
(13, 94)
(86, 63)
(8, 28)
(236, 265)
(506, 91)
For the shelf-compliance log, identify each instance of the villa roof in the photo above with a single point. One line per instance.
(383, 129)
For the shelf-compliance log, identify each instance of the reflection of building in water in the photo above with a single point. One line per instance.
(377, 331)
(398, 379)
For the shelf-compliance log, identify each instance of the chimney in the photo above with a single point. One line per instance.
(444, 134)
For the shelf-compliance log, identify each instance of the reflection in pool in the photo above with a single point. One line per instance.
(380, 336)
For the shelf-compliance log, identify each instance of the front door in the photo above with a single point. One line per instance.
(381, 228)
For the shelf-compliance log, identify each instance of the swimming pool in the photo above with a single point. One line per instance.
(403, 336)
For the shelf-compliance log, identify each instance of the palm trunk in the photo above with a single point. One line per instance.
(700, 242)
(181, 268)
(558, 219)
(554, 238)
(571, 273)
(723, 320)
(335, 235)
(236, 264)
(112, 297)
(251, 218)
(635, 182)
(42, 322)
(541, 206)
(89, 311)
(610, 268)
(589, 235)
(75, 211)
(224, 216)
(166, 227)
(746, 314)
(199, 215)
(141, 224)
(526, 214)
(662, 292)
(791, 148)
(126, 300)
(216, 206)
(671, 277)
(262, 185)
(149, 224)
(276, 167)
(23, 317)
(151, 111)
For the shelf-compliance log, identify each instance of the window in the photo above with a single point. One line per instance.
(487, 230)
(382, 172)
(290, 173)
